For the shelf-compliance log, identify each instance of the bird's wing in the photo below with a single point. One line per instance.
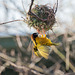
(44, 50)
(43, 41)
(36, 51)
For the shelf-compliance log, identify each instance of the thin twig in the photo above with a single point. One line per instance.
(10, 21)
(23, 6)
(31, 5)
(31, 13)
(16, 9)
(56, 7)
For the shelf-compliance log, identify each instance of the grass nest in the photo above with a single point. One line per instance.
(45, 17)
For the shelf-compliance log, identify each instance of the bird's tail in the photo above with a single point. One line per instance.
(55, 44)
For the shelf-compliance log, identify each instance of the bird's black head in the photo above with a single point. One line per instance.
(34, 35)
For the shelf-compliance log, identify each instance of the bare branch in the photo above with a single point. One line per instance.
(20, 43)
(20, 69)
(10, 21)
(3, 56)
(56, 7)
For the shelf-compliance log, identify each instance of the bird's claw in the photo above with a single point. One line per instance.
(43, 35)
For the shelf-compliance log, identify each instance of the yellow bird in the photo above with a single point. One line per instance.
(41, 45)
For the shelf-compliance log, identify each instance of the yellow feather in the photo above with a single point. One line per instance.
(44, 50)
(36, 51)
(43, 41)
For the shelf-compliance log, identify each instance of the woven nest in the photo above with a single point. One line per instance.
(46, 18)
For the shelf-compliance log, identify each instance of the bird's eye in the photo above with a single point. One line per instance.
(39, 35)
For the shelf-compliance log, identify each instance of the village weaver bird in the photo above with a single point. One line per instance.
(41, 45)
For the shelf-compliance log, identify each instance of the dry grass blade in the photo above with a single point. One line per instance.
(63, 57)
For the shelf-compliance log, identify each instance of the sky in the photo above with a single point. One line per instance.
(65, 16)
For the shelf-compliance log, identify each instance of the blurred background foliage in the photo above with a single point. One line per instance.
(16, 46)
